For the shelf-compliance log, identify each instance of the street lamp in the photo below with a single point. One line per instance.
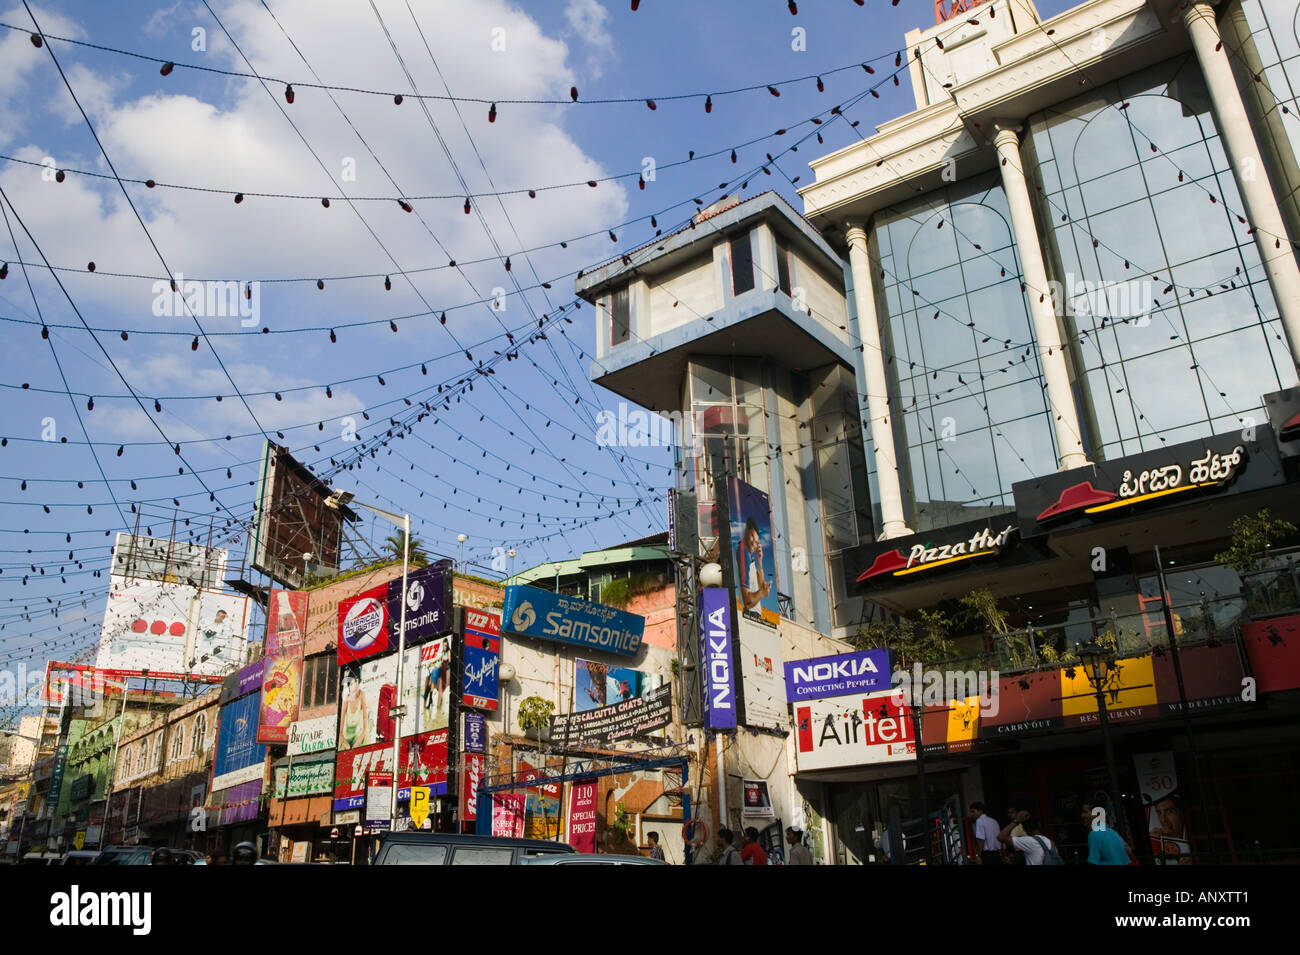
(339, 499)
(460, 539)
(1097, 663)
(511, 554)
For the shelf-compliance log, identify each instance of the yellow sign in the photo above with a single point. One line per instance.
(79, 840)
(419, 805)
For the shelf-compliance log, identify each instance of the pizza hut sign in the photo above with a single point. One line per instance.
(930, 554)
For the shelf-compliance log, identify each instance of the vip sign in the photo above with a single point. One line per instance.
(853, 731)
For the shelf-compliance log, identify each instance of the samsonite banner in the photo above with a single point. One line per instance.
(533, 612)
(428, 599)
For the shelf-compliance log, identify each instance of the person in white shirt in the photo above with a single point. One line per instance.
(988, 848)
(1033, 843)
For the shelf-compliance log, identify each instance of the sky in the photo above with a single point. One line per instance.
(512, 463)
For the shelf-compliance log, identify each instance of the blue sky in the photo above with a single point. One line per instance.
(514, 463)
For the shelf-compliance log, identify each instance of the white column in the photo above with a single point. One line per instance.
(1042, 310)
(873, 361)
(1248, 169)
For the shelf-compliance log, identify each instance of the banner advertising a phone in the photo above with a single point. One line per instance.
(718, 665)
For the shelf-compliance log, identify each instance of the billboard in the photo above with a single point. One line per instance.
(220, 633)
(238, 757)
(599, 684)
(146, 626)
(369, 692)
(533, 612)
(754, 559)
(282, 682)
(475, 732)
(760, 675)
(853, 731)
(423, 763)
(482, 654)
(582, 815)
(351, 769)
(508, 814)
(428, 603)
(1163, 804)
(426, 678)
(363, 625)
(291, 519)
(719, 675)
(843, 674)
(638, 716)
(168, 561)
(313, 736)
(475, 764)
(171, 628)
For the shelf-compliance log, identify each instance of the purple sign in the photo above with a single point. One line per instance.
(243, 803)
(250, 677)
(475, 733)
(844, 674)
(715, 655)
(427, 600)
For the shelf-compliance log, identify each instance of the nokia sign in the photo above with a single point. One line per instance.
(719, 673)
(845, 674)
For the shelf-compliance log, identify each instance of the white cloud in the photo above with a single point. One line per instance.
(589, 21)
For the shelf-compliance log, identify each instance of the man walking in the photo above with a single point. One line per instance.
(730, 855)
(799, 854)
(656, 850)
(987, 843)
(753, 853)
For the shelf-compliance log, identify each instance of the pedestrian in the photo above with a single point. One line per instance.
(1017, 830)
(752, 853)
(656, 850)
(1038, 849)
(1105, 845)
(987, 844)
(799, 854)
(729, 854)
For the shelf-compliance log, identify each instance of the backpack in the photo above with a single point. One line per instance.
(1050, 855)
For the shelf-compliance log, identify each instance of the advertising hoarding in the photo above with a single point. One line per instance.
(508, 814)
(313, 736)
(426, 675)
(219, 634)
(582, 815)
(369, 693)
(364, 625)
(533, 612)
(475, 732)
(754, 560)
(282, 681)
(238, 757)
(423, 763)
(758, 800)
(428, 603)
(291, 519)
(716, 660)
(1162, 802)
(760, 674)
(470, 779)
(146, 626)
(635, 717)
(482, 656)
(598, 684)
(351, 769)
(842, 674)
(853, 731)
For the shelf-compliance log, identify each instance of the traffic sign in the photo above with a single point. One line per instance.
(419, 805)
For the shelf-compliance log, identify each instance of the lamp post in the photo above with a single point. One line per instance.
(1097, 663)
(460, 539)
(340, 499)
(511, 554)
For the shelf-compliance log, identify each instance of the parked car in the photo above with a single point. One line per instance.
(589, 859)
(445, 848)
(80, 857)
(125, 855)
(40, 857)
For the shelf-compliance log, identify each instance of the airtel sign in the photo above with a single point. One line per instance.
(853, 731)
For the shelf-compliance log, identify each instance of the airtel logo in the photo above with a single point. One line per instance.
(158, 627)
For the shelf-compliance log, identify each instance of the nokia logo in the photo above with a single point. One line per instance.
(839, 670)
(719, 660)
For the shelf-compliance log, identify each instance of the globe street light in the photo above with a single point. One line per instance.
(1097, 664)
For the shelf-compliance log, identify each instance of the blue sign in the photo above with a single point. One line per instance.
(539, 613)
(482, 654)
(238, 752)
(845, 674)
(475, 733)
(716, 659)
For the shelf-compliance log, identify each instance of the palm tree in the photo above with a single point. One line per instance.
(394, 544)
